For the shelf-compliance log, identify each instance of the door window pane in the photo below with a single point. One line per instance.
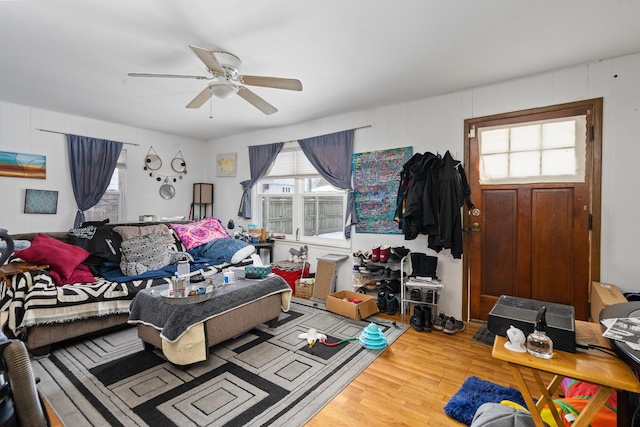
(543, 151)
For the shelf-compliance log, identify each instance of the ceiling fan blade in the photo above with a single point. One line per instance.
(274, 82)
(256, 101)
(171, 76)
(207, 57)
(200, 99)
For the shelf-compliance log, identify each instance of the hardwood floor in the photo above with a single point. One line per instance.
(411, 381)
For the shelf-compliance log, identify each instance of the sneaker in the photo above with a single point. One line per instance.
(453, 326)
(417, 320)
(400, 251)
(416, 295)
(392, 303)
(432, 297)
(440, 322)
(381, 300)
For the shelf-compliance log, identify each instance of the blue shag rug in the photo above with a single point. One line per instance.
(474, 392)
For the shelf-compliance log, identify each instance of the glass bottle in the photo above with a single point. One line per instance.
(538, 343)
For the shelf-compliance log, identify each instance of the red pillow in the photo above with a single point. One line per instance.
(82, 274)
(62, 258)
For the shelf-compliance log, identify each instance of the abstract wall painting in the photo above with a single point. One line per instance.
(21, 165)
(376, 177)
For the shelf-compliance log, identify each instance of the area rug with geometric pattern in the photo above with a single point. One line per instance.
(265, 377)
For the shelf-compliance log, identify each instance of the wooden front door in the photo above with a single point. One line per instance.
(533, 237)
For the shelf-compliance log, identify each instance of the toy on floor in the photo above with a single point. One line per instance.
(373, 338)
(312, 336)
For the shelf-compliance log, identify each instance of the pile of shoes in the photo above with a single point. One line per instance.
(385, 253)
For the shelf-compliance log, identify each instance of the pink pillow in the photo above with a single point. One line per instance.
(198, 233)
(62, 258)
(82, 274)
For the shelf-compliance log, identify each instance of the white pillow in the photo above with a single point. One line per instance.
(243, 253)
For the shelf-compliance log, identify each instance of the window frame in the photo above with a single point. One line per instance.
(297, 197)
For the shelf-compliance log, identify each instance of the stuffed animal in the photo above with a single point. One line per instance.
(298, 255)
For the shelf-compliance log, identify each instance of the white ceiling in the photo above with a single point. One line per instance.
(73, 56)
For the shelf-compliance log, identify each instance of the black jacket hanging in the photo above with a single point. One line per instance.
(430, 195)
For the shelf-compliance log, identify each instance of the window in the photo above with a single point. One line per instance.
(112, 203)
(551, 150)
(293, 196)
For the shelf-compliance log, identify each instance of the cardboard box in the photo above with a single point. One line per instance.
(603, 295)
(359, 311)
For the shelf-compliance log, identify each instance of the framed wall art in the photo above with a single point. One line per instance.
(226, 164)
(40, 201)
(23, 165)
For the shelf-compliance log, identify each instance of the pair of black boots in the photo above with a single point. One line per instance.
(423, 265)
(421, 319)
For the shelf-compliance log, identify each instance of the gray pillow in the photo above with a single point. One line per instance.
(142, 254)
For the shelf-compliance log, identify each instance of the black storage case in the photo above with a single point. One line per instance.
(521, 313)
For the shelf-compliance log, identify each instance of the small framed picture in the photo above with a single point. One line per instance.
(226, 164)
(40, 201)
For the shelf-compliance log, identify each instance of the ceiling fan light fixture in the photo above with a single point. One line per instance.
(223, 90)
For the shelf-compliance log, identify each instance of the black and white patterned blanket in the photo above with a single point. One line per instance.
(32, 298)
(173, 320)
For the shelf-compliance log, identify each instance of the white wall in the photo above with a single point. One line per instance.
(18, 133)
(436, 124)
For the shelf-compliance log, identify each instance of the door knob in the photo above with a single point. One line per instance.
(475, 226)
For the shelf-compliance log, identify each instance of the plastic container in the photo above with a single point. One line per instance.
(183, 272)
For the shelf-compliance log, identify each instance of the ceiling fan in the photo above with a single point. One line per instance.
(226, 81)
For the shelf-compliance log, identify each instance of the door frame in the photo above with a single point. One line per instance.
(596, 107)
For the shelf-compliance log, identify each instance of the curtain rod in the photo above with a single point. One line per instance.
(63, 133)
(296, 140)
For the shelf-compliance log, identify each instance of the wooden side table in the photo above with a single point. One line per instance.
(600, 368)
(14, 268)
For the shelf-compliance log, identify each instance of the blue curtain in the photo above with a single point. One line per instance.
(260, 159)
(331, 156)
(92, 162)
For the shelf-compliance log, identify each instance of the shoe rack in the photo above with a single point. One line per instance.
(429, 294)
(367, 273)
